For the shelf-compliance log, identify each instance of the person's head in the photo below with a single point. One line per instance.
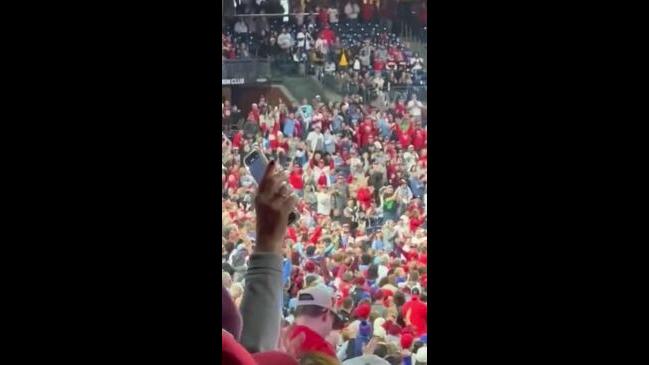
(310, 250)
(315, 310)
(381, 350)
(399, 298)
(421, 356)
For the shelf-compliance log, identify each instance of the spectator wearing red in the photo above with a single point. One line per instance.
(368, 10)
(378, 64)
(328, 35)
(315, 317)
(405, 132)
(254, 114)
(364, 197)
(364, 131)
(419, 139)
(236, 140)
(400, 108)
(416, 221)
(295, 179)
(414, 313)
(323, 16)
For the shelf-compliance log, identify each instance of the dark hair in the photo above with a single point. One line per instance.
(399, 299)
(381, 350)
(394, 359)
(366, 259)
(416, 346)
(309, 311)
(310, 250)
(373, 272)
(228, 268)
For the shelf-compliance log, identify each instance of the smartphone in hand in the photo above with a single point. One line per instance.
(256, 163)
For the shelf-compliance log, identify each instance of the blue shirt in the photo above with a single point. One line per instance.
(416, 187)
(386, 132)
(289, 127)
(286, 271)
(306, 111)
(377, 245)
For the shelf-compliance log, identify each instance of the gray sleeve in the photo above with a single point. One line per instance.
(261, 303)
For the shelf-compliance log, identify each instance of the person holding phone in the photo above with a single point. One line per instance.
(261, 303)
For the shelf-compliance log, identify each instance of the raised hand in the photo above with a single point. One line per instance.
(273, 205)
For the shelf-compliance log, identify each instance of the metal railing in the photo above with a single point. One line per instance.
(347, 87)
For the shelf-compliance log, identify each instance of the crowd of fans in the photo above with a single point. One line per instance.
(347, 283)
(346, 41)
(358, 251)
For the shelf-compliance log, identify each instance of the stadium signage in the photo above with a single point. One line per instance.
(233, 82)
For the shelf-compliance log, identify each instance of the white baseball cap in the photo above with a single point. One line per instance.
(422, 355)
(319, 295)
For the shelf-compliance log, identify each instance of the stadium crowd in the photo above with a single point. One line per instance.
(359, 50)
(347, 283)
(361, 240)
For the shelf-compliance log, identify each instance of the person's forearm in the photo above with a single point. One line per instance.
(261, 303)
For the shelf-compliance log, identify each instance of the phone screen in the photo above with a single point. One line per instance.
(256, 163)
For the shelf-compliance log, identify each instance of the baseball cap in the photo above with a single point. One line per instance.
(422, 355)
(366, 360)
(321, 296)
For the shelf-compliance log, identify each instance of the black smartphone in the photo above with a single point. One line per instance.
(256, 163)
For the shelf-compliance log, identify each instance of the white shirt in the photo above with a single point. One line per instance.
(321, 45)
(240, 27)
(352, 10)
(333, 15)
(414, 108)
(284, 40)
(313, 138)
(324, 203)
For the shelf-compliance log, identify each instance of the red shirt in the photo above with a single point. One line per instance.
(419, 139)
(323, 17)
(423, 259)
(415, 223)
(364, 197)
(236, 140)
(367, 12)
(290, 233)
(313, 342)
(378, 64)
(316, 235)
(233, 182)
(418, 311)
(365, 131)
(400, 109)
(328, 35)
(295, 179)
